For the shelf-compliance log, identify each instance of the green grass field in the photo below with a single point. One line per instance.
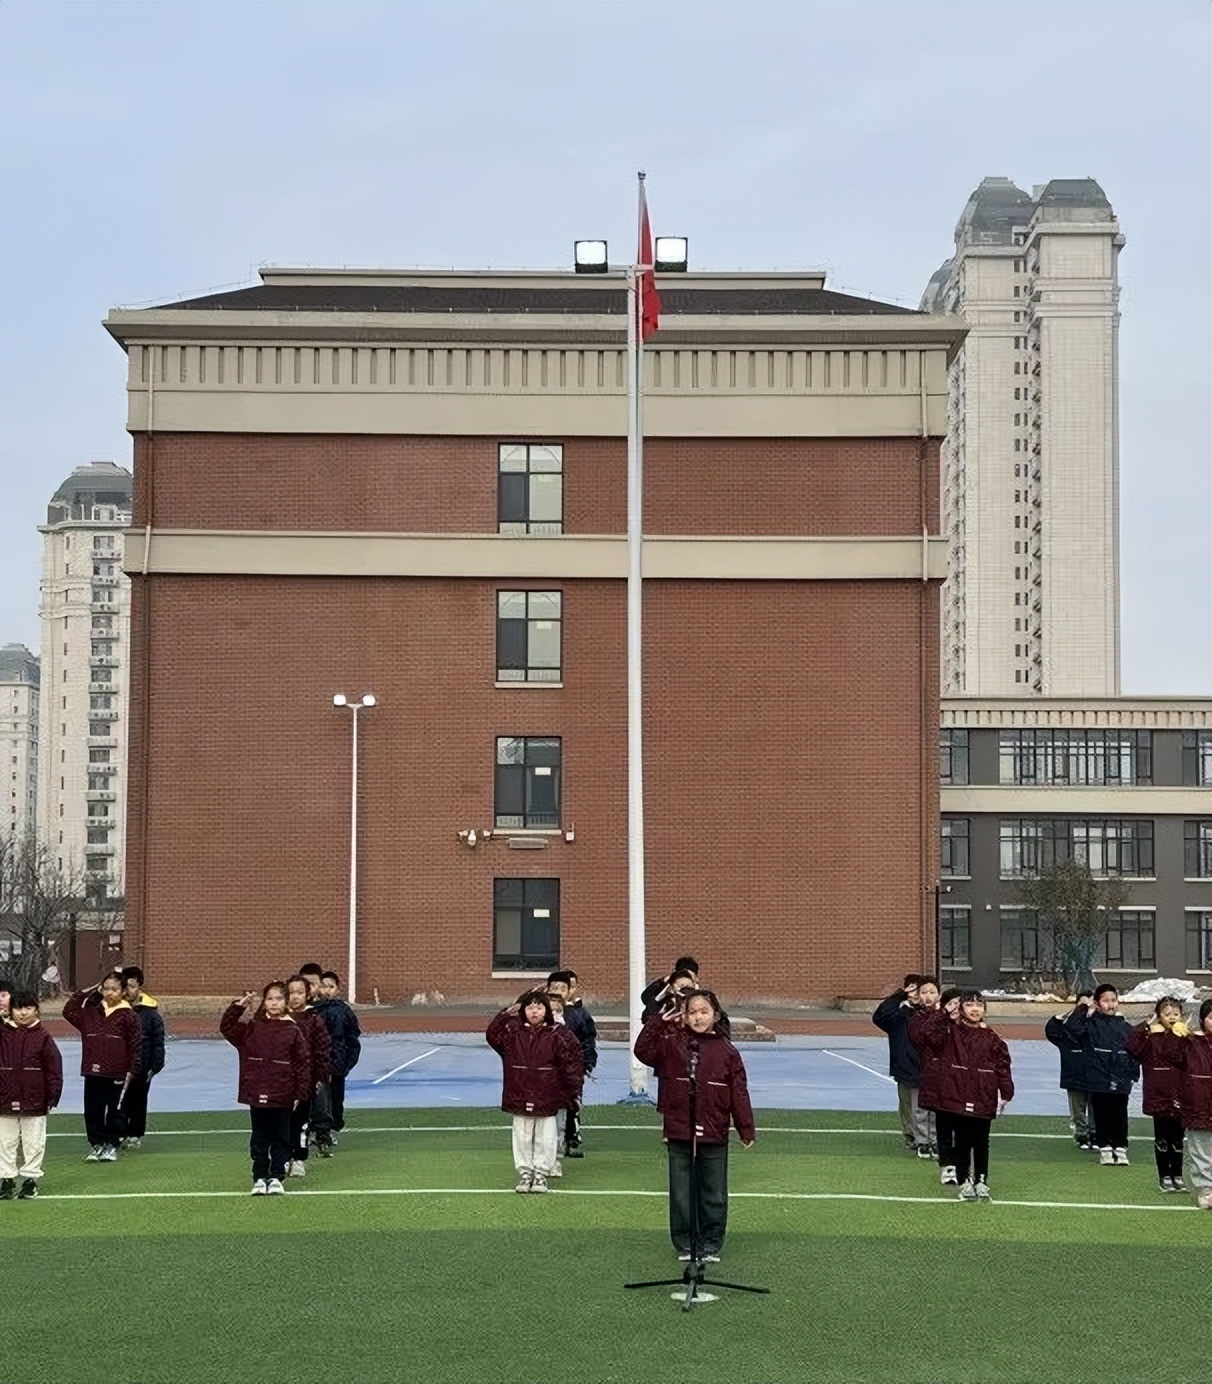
(409, 1257)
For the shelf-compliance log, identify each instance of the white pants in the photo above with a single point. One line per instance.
(1199, 1158)
(534, 1144)
(30, 1132)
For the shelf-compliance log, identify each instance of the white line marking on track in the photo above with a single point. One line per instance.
(402, 1065)
(604, 1192)
(883, 1076)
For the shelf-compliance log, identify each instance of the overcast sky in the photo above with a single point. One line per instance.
(156, 150)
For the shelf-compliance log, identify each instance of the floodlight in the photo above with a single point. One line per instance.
(671, 255)
(589, 257)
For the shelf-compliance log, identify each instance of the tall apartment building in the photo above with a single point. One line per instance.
(1031, 457)
(19, 738)
(85, 612)
(413, 485)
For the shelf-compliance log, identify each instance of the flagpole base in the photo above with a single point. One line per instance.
(636, 1098)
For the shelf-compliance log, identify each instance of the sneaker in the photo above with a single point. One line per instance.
(967, 1191)
(259, 1188)
(982, 1190)
(923, 1151)
(296, 1169)
(684, 1258)
(1121, 1158)
(539, 1184)
(8, 1188)
(324, 1147)
(131, 1143)
(333, 1140)
(1106, 1157)
(108, 1154)
(274, 1187)
(1166, 1184)
(524, 1182)
(949, 1177)
(1084, 1145)
(710, 1256)
(93, 1155)
(1204, 1200)
(29, 1190)
(574, 1151)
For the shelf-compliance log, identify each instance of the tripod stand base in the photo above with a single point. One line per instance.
(692, 1281)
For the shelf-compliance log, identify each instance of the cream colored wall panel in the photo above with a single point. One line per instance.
(1016, 801)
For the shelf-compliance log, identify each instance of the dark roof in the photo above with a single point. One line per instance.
(434, 298)
(993, 212)
(99, 483)
(1075, 192)
(17, 664)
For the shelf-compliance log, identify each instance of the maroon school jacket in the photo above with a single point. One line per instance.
(110, 1042)
(971, 1065)
(275, 1059)
(31, 1070)
(1162, 1077)
(722, 1086)
(541, 1069)
(1193, 1055)
(319, 1043)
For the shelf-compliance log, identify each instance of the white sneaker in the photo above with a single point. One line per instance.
(259, 1188)
(274, 1187)
(948, 1177)
(296, 1169)
(93, 1155)
(539, 1184)
(524, 1182)
(710, 1258)
(131, 1143)
(982, 1190)
(1106, 1157)
(1121, 1158)
(967, 1191)
(108, 1154)
(684, 1258)
(1204, 1201)
(558, 1170)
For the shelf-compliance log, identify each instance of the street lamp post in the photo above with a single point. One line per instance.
(368, 701)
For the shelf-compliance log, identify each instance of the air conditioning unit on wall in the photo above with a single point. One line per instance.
(527, 843)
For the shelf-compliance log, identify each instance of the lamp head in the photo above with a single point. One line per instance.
(368, 699)
(339, 699)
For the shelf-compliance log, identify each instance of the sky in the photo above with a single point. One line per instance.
(158, 150)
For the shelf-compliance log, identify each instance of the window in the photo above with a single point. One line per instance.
(97, 781)
(1128, 945)
(526, 925)
(1114, 846)
(1076, 756)
(98, 809)
(1199, 939)
(528, 636)
(953, 755)
(1197, 758)
(100, 701)
(98, 756)
(954, 936)
(1197, 849)
(527, 782)
(98, 836)
(530, 488)
(954, 859)
(1022, 947)
(98, 728)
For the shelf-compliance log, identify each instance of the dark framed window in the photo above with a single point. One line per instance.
(954, 853)
(1110, 846)
(1075, 756)
(527, 782)
(1197, 849)
(98, 836)
(1197, 758)
(953, 755)
(526, 925)
(1023, 948)
(1199, 939)
(1128, 945)
(530, 488)
(954, 936)
(529, 635)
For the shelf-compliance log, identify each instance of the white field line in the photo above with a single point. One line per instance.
(605, 1192)
(606, 1128)
(883, 1076)
(402, 1065)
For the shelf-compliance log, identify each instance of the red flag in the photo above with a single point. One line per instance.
(649, 298)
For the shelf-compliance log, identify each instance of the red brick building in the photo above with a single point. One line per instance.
(414, 485)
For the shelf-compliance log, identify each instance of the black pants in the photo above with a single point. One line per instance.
(321, 1113)
(300, 1119)
(1168, 1146)
(102, 1114)
(971, 1134)
(1110, 1119)
(338, 1102)
(944, 1134)
(134, 1107)
(710, 1209)
(269, 1146)
(572, 1128)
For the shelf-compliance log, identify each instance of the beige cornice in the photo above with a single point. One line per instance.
(499, 557)
(1013, 800)
(1091, 712)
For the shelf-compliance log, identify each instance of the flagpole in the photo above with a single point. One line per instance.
(635, 686)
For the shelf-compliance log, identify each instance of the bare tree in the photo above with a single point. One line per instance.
(39, 904)
(1074, 910)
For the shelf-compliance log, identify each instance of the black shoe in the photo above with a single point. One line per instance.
(29, 1190)
(324, 1148)
(8, 1188)
(574, 1151)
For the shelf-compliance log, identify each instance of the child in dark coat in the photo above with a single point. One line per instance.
(974, 1081)
(905, 1063)
(680, 1045)
(298, 1006)
(541, 1076)
(275, 1077)
(110, 1045)
(31, 1082)
(1147, 1043)
(1110, 1070)
(151, 1057)
(1073, 1079)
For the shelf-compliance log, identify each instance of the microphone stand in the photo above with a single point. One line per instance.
(694, 1275)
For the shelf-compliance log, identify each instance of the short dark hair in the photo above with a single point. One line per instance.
(24, 999)
(131, 973)
(911, 980)
(686, 963)
(561, 977)
(927, 980)
(1101, 990)
(311, 968)
(952, 992)
(708, 995)
(971, 997)
(333, 976)
(274, 985)
(683, 973)
(536, 997)
(1204, 1010)
(1168, 1000)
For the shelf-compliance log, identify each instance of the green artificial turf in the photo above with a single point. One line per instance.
(408, 1257)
